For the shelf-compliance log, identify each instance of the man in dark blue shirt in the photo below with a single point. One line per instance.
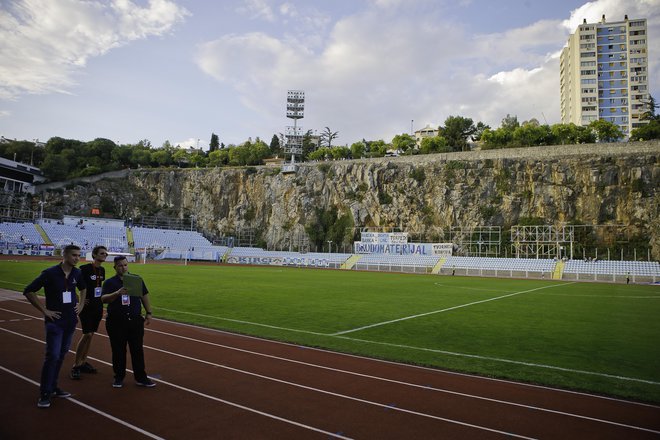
(60, 315)
(125, 325)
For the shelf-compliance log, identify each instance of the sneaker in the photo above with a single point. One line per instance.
(44, 400)
(75, 373)
(60, 393)
(148, 383)
(87, 368)
(118, 383)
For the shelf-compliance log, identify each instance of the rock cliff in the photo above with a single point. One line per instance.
(602, 184)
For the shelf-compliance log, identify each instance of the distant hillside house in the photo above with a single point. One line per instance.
(425, 132)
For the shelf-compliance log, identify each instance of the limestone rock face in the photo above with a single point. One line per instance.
(602, 184)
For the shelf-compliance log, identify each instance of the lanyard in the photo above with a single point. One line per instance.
(98, 277)
(66, 280)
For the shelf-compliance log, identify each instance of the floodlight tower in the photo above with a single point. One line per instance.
(295, 109)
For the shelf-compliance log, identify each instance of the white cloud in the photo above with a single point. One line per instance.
(257, 9)
(376, 70)
(44, 43)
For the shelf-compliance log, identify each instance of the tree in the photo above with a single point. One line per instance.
(403, 142)
(218, 158)
(275, 149)
(180, 156)
(55, 167)
(456, 132)
(215, 142)
(308, 144)
(327, 136)
(532, 134)
(434, 144)
(647, 131)
(650, 114)
(510, 123)
(606, 131)
(358, 149)
(479, 130)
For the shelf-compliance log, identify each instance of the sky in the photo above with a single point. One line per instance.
(180, 70)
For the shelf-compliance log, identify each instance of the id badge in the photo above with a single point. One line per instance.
(66, 297)
(97, 292)
(125, 300)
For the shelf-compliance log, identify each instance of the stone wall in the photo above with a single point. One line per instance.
(599, 184)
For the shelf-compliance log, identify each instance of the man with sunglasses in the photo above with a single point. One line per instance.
(60, 312)
(92, 312)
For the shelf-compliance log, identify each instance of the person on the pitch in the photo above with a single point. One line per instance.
(125, 325)
(60, 316)
(92, 312)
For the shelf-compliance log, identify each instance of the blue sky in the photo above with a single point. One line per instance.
(180, 70)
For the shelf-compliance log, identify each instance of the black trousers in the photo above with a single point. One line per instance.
(123, 330)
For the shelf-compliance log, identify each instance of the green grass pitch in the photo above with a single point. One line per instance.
(599, 338)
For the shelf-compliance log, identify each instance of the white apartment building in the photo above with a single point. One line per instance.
(604, 74)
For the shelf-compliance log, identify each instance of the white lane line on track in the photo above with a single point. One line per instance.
(217, 399)
(413, 385)
(405, 318)
(88, 407)
(420, 367)
(388, 407)
(430, 350)
(405, 383)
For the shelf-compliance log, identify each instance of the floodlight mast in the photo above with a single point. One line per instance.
(295, 109)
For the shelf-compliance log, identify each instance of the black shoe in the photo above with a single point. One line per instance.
(118, 383)
(44, 400)
(148, 383)
(87, 368)
(60, 393)
(75, 373)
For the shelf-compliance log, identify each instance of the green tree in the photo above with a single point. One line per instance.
(275, 148)
(479, 130)
(532, 134)
(180, 157)
(197, 159)
(457, 131)
(218, 158)
(377, 148)
(510, 123)
(606, 131)
(215, 142)
(308, 144)
(358, 150)
(647, 131)
(327, 136)
(55, 167)
(434, 144)
(403, 142)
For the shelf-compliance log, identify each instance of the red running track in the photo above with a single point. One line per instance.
(214, 384)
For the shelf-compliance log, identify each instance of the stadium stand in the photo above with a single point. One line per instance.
(19, 233)
(492, 266)
(612, 270)
(86, 235)
(172, 239)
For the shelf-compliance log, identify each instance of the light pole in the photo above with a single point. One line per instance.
(329, 246)
(41, 210)
(192, 222)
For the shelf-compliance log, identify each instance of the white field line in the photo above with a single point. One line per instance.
(398, 382)
(293, 384)
(244, 322)
(405, 318)
(226, 402)
(430, 350)
(88, 407)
